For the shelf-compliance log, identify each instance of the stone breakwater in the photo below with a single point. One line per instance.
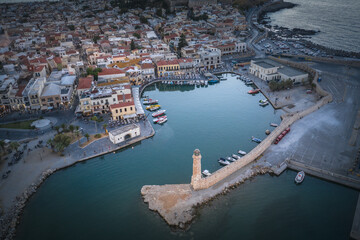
(177, 203)
(9, 221)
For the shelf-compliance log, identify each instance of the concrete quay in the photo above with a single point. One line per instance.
(355, 230)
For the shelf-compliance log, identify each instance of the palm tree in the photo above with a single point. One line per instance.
(71, 128)
(2, 145)
(95, 119)
(105, 126)
(57, 128)
(87, 136)
(14, 145)
(77, 128)
(63, 126)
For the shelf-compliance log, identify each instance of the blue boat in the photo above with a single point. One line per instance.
(254, 139)
(213, 81)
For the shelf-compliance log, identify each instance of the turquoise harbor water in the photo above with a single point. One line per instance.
(338, 21)
(100, 199)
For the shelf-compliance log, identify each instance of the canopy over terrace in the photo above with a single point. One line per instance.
(138, 106)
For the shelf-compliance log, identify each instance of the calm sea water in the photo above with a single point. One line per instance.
(338, 21)
(101, 199)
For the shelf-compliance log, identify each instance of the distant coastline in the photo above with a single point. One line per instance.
(26, 1)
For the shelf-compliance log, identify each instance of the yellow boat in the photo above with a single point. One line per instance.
(152, 106)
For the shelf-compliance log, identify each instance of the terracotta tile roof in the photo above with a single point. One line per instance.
(110, 71)
(147, 66)
(39, 68)
(168, 62)
(19, 92)
(121, 105)
(121, 98)
(85, 83)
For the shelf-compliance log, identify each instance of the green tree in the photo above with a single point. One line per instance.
(105, 126)
(137, 35)
(182, 43)
(14, 145)
(87, 136)
(71, 27)
(60, 142)
(95, 119)
(96, 38)
(71, 128)
(57, 128)
(132, 45)
(143, 20)
(63, 126)
(159, 12)
(2, 145)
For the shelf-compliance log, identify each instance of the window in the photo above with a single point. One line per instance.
(120, 110)
(130, 108)
(125, 109)
(114, 100)
(102, 101)
(116, 111)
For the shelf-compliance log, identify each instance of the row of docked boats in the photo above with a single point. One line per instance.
(187, 82)
(233, 158)
(247, 80)
(159, 116)
(282, 135)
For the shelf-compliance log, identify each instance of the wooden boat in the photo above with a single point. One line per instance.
(158, 113)
(300, 177)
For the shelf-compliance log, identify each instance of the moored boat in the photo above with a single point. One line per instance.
(241, 152)
(162, 121)
(263, 104)
(158, 113)
(154, 108)
(236, 156)
(249, 82)
(263, 101)
(230, 159)
(159, 118)
(254, 91)
(273, 124)
(223, 162)
(206, 173)
(300, 177)
(254, 139)
(150, 102)
(148, 107)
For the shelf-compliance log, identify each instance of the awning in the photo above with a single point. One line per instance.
(130, 116)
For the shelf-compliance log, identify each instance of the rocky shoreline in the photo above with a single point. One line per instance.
(186, 201)
(9, 221)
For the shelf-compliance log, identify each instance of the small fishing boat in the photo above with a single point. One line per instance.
(263, 101)
(206, 173)
(241, 152)
(148, 107)
(230, 159)
(150, 102)
(236, 156)
(300, 177)
(223, 162)
(273, 124)
(213, 81)
(154, 108)
(159, 118)
(254, 139)
(162, 121)
(158, 113)
(263, 104)
(249, 82)
(254, 91)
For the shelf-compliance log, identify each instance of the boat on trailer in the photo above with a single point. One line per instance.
(300, 177)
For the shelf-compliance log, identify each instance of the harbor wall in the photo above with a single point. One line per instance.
(288, 120)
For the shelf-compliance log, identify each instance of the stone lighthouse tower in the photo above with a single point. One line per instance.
(196, 177)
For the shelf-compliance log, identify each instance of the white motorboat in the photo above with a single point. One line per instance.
(162, 121)
(241, 152)
(236, 156)
(223, 162)
(273, 124)
(158, 113)
(206, 173)
(230, 159)
(263, 104)
(300, 177)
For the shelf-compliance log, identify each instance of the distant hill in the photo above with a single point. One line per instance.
(246, 4)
